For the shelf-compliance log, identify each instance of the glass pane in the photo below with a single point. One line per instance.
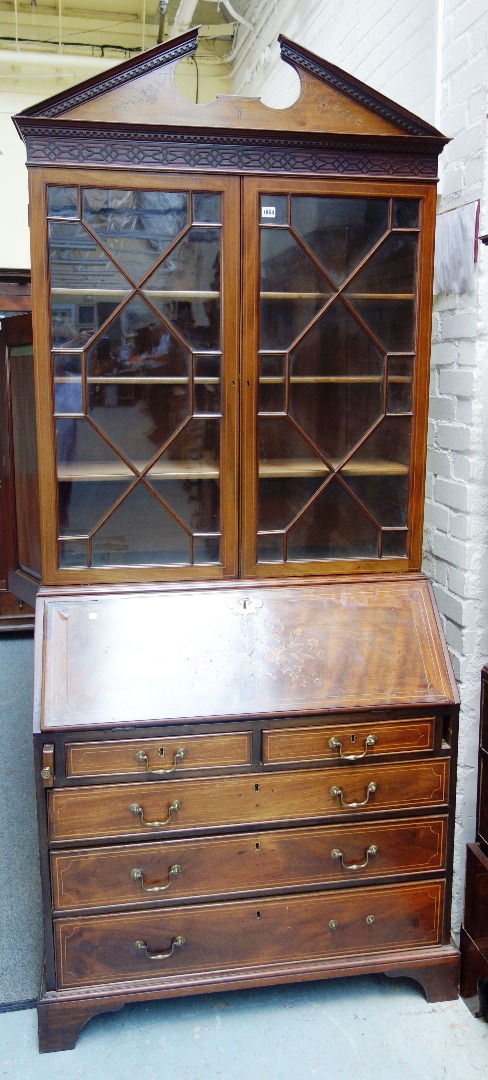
(138, 382)
(72, 553)
(395, 544)
(384, 292)
(274, 209)
(80, 271)
(206, 549)
(62, 201)
(336, 376)
(283, 450)
(292, 289)
(406, 213)
(207, 384)
(91, 477)
(339, 232)
(391, 321)
(196, 450)
(385, 451)
(392, 269)
(270, 549)
(141, 531)
(283, 321)
(186, 288)
(386, 497)
(137, 227)
(68, 388)
(83, 504)
(286, 267)
(281, 498)
(400, 376)
(206, 208)
(334, 527)
(195, 502)
(206, 399)
(272, 386)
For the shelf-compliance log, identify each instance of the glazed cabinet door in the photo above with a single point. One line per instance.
(139, 330)
(336, 317)
(20, 544)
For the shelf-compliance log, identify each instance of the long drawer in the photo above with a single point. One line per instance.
(171, 870)
(135, 809)
(221, 936)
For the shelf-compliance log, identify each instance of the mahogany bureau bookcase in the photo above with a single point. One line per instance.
(245, 714)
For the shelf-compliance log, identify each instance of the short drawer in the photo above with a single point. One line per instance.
(160, 757)
(137, 809)
(172, 870)
(289, 930)
(350, 742)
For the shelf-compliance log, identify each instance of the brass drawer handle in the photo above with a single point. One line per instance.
(371, 788)
(172, 808)
(335, 744)
(176, 943)
(338, 854)
(138, 875)
(142, 759)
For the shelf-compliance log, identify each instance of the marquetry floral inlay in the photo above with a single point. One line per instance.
(296, 655)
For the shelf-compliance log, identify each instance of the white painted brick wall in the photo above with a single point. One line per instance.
(456, 546)
(393, 46)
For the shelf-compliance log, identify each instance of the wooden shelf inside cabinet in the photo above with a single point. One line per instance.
(206, 470)
(88, 295)
(296, 467)
(319, 380)
(163, 470)
(327, 296)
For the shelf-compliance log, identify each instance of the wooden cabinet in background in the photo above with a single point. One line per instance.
(245, 716)
(20, 555)
(474, 931)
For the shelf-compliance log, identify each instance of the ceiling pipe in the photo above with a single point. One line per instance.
(233, 13)
(55, 60)
(163, 7)
(183, 17)
(186, 11)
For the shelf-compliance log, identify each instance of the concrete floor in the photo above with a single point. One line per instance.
(350, 1029)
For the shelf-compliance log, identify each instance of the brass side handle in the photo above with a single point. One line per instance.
(370, 790)
(176, 943)
(47, 765)
(142, 759)
(335, 744)
(138, 875)
(172, 808)
(371, 851)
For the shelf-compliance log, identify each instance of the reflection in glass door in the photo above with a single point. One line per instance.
(137, 350)
(336, 354)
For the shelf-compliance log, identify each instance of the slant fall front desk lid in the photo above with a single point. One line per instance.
(233, 651)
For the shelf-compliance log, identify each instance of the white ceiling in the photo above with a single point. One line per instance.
(113, 29)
